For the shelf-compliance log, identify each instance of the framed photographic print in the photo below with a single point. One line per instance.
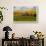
(25, 13)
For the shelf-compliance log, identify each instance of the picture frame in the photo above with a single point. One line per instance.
(25, 14)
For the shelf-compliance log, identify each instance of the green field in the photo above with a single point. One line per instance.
(24, 18)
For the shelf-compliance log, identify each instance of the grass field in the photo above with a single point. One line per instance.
(24, 18)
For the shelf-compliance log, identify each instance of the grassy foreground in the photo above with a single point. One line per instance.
(24, 18)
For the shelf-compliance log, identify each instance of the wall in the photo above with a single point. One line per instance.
(24, 29)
